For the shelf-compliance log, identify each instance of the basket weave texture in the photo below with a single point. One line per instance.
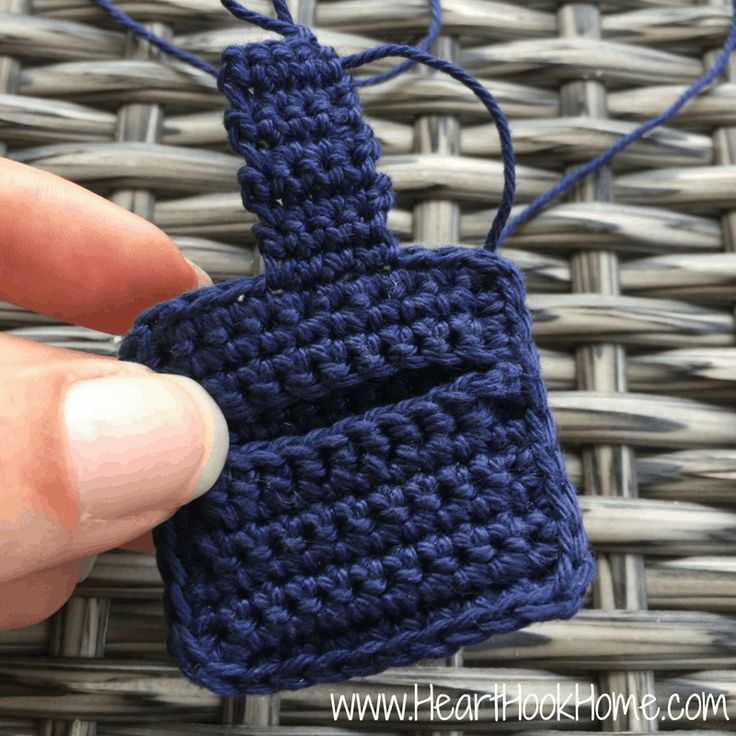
(631, 285)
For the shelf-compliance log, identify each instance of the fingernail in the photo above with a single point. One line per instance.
(142, 443)
(203, 278)
(85, 568)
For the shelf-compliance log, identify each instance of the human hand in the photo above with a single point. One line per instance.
(95, 451)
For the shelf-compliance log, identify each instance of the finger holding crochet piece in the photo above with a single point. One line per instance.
(99, 451)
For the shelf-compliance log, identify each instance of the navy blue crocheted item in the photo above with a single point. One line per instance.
(394, 488)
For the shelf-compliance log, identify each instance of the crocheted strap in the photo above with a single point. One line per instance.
(283, 24)
(310, 173)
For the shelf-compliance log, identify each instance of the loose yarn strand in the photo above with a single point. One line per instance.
(603, 159)
(147, 35)
(488, 100)
(282, 23)
(425, 44)
(282, 11)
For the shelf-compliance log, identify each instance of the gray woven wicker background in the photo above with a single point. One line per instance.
(632, 282)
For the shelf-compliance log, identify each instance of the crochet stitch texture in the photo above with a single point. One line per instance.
(394, 489)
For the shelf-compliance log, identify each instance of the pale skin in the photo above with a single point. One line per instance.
(96, 452)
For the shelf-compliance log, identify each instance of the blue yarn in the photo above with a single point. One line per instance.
(282, 23)
(425, 44)
(282, 11)
(605, 158)
(502, 126)
(142, 32)
(394, 489)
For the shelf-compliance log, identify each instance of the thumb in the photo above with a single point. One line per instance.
(97, 452)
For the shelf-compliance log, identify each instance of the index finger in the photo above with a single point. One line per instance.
(69, 253)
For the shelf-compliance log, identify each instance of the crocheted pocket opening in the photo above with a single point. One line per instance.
(284, 363)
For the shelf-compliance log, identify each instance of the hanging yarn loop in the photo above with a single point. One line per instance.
(284, 24)
(488, 100)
